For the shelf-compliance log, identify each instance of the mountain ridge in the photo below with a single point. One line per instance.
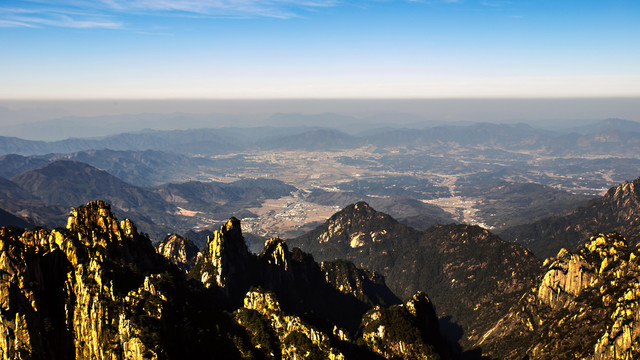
(98, 289)
(459, 265)
(584, 305)
(618, 210)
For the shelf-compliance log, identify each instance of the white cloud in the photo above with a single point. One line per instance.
(69, 22)
(107, 13)
(84, 13)
(269, 8)
(114, 14)
(45, 16)
(12, 23)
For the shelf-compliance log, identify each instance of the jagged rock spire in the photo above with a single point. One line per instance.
(225, 261)
(97, 225)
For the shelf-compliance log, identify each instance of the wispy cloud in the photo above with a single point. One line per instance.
(68, 22)
(495, 3)
(108, 13)
(235, 8)
(119, 14)
(39, 15)
(13, 23)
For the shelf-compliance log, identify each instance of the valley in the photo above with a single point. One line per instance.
(421, 176)
(354, 171)
(458, 220)
(319, 180)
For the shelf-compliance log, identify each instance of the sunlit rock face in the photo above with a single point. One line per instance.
(405, 331)
(294, 338)
(99, 290)
(59, 291)
(225, 262)
(585, 305)
(179, 250)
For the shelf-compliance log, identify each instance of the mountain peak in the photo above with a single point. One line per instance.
(225, 259)
(590, 296)
(628, 190)
(405, 331)
(97, 215)
(356, 225)
(179, 250)
(362, 206)
(232, 227)
(276, 252)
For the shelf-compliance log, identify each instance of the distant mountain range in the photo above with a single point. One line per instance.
(506, 204)
(607, 124)
(46, 193)
(599, 138)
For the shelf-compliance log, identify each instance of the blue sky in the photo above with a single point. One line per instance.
(77, 49)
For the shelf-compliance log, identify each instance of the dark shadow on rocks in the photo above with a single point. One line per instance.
(453, 332)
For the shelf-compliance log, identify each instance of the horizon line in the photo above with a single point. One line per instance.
(576, 97)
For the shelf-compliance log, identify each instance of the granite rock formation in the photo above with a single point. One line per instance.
(584, 306)
(97, 289)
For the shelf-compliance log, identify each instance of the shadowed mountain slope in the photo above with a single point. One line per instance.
(8, 219)
(473, 275)
(618, 210)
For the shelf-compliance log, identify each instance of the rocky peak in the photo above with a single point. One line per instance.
(179, 250)
(355, 226)
(261, 301)
(295, 338)
(421, 307)
(95, 221)
(363, 207)
(225, 261)
(627, 193)
(571, 273)
(367, 286)
(405, 331)
(276, 252)
(585, 305)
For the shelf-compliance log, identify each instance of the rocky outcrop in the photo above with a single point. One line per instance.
(272, 329)
(472, 276)
(225, 261)
(58, 293)
(299, 283)
(585, 306)
(178, 250)
(99, 290)
(406, 331)
(96, 290)
(359, 283)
